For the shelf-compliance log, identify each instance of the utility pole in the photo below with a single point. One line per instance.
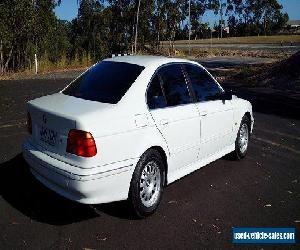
(211, 38)
(221, 13)
(35, 54)
(132, 41)
(136, 26)
(36, 64)
(189, 27)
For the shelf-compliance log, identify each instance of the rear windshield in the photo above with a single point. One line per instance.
(105, 82)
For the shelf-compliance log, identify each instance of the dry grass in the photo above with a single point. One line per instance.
(45, 66)
(219, 52)
(245, 40)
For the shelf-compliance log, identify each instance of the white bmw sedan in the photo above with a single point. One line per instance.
(129, 126)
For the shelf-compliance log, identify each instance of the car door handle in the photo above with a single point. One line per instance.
(203, 113)
(163, 122)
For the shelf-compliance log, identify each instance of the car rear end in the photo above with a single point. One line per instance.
(64, 158)
(63, 147)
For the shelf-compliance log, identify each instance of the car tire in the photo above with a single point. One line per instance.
(242, 139)
(147, 184)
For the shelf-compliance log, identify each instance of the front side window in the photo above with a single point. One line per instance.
(174, 85)
(106, 82)
(203, 84)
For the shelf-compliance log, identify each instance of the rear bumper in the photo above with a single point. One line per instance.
(103, 187)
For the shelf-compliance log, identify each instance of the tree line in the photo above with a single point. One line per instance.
(103, 27)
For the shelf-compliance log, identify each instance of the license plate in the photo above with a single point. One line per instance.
(48, 136)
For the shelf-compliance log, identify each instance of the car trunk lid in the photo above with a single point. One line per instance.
(54, 116)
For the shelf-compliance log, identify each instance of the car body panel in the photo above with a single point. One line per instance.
(180, 127)
(216, 119)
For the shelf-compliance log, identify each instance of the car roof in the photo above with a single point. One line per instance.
(145, 61)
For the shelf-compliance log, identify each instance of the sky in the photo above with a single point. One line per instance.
(68, 10)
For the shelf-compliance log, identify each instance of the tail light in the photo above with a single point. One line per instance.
(81, 143)
(29, 123)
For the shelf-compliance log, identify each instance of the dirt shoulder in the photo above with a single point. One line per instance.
(244, 40)
(280, 75)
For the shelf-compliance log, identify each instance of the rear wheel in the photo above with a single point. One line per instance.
(242, 139)
(146, 186)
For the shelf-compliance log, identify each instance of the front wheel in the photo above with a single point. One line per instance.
(147, 184)
(242, 139)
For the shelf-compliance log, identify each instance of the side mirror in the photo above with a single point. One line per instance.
(227, 95)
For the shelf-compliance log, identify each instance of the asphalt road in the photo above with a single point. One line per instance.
(262, 190)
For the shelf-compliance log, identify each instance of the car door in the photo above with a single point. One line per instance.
(175, 115)
(216, 115)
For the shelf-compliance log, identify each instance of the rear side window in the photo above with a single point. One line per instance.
(203, 84)
(155, 97)
(106, 82)
(174, 85)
